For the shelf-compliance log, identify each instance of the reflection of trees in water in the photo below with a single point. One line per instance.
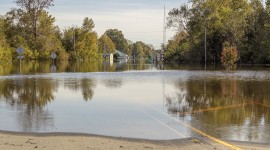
(138, 65)
(194, 95)
(177, 104)
(31, 93)
(85, 85)
(84, 66)
(29, 97)
(37, 92)
(250, 122)
(32, 67)
(88, 66)
(113, 83)
(39, 119)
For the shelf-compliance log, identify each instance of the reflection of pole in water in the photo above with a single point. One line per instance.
(163, 92)
(20, 65)
(204, 90)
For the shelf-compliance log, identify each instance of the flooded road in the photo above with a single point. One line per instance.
(136, 101)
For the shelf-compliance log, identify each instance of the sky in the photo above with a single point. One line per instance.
(139, 20)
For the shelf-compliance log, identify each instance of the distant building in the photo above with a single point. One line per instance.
(121, 55)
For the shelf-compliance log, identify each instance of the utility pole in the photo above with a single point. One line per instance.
(164, 28)
(205, 39)
(162, 55)
(74, 41)
(205, 44)
(164, 37)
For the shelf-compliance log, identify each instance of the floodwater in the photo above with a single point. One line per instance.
(136, 100)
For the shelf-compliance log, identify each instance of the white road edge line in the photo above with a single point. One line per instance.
(164, 124)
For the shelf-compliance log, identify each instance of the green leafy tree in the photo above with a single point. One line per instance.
(255, 45)
(5, 51)
(69, 39)
(106, 45)
(141, 50)
(179, 18)
(178, 48)
(82, 42)
(48, 40)
(32, 28)
(33, 10)
(267, 3)
(266, 28)
(88, 24)
(220, 20)
(119, 40)
(138, 50)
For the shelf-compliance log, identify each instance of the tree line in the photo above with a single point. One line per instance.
(243, 25)
(31, 27)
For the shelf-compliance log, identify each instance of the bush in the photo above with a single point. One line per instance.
(229, 57)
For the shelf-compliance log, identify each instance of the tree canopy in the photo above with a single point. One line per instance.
(105, 44)
(141, 50)
(242, 23)
(82, 42)
(31, 27)
(118, 39)
(5, 51)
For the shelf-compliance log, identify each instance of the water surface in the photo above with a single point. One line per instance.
(135, 100)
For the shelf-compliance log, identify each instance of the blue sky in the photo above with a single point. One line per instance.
(138, 19)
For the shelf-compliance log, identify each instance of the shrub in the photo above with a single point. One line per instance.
(229, 57)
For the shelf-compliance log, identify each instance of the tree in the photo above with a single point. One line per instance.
(267, 30)
(88, 24)
(222, 20)
(138, 50)
(255, 47)
(119, 40)
(85, 40)
(177, 48)
(179, 18)
(32, 28)
(87, 48)
(106, 45)
(5, 51)
(225, 20)
(33, 9)
(141, 50)
(48, 40)
(267, 6)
